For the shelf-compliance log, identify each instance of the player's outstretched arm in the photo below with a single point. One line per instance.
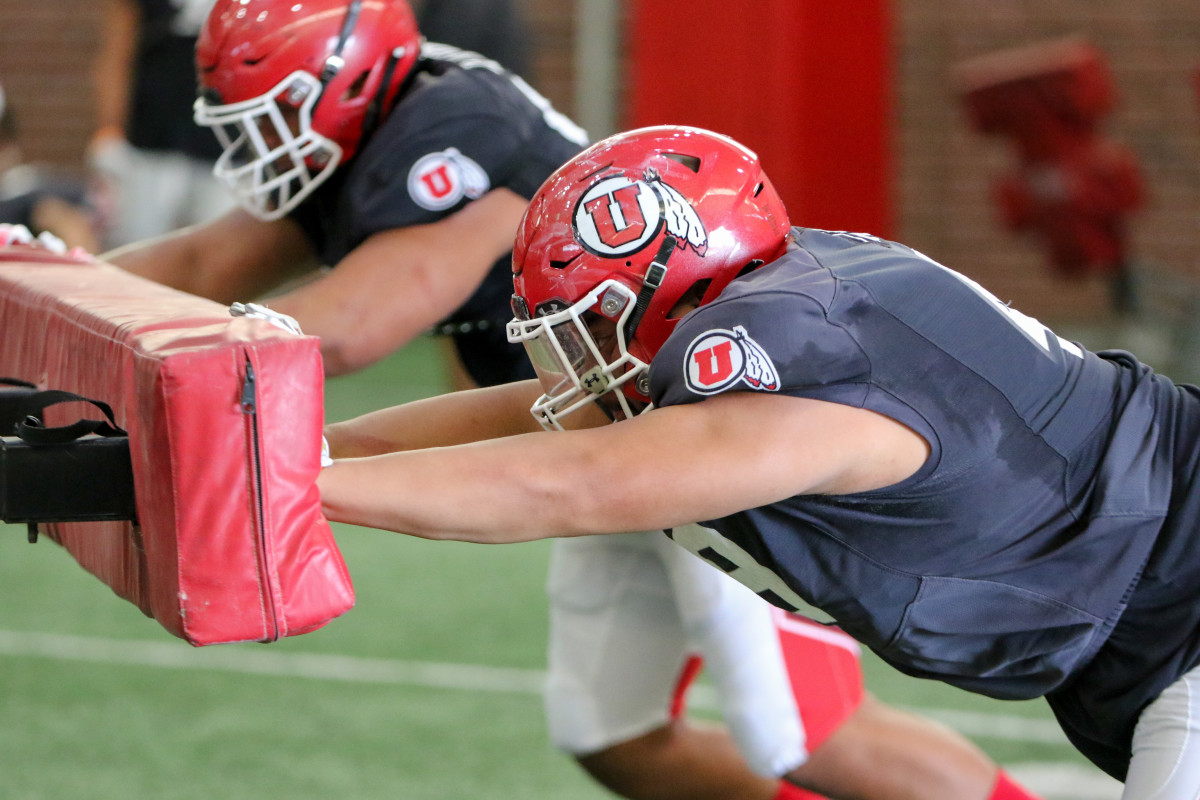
(233, 258)
(448, 419)
(665, 468)
(400, 282)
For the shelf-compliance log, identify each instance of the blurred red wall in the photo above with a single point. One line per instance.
(808, 89)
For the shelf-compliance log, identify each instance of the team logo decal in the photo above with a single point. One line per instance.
(618, 216)
(437, 181)
(718, 359)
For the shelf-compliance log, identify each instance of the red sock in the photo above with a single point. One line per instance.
(1006, 789)
(789, 791)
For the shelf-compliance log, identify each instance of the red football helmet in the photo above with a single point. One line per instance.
(291, 88)
(621, 242)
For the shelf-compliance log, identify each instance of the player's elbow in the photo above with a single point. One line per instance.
(342, 354)
(353, 338)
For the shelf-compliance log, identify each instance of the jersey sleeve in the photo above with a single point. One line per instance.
(464, 128)
(432, 173)
(762, 341)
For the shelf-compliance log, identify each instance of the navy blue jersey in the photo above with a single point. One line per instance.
(464, 127)
(1036, 549)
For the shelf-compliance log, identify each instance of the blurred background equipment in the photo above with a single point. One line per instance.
(151, 165)
(1072, 188)
(44, 199)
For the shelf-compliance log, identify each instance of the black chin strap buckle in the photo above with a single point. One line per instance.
(656, 273)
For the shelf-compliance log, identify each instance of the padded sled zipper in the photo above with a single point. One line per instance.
(250, 409)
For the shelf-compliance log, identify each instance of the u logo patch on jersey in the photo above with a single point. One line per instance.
(718, 359)
(437, 181)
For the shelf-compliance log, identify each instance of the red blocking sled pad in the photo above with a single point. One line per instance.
(224, 418)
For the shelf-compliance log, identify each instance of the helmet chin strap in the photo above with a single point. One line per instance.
(375, 107)
(653, 279)
(655, 273)
(335, 62)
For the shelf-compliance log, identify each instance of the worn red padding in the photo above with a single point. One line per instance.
(230, 543)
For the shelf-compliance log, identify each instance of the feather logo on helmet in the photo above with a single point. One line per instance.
(718, 359)
(618, 216)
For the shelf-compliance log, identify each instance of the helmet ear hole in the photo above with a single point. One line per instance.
(356, 88)
(690, 299)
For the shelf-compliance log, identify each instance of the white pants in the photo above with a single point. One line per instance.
(626, 612)
(1166, 745)
(160, 192)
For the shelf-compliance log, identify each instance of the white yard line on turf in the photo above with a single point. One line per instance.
(470, 677)
(1052, 780)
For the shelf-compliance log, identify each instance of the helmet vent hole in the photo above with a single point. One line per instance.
(690, 299)
(758, 189)
(565, 257)
(691, 162)
(356, 88)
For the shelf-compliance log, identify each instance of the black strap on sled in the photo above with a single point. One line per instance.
(75, 472)
(31, 429)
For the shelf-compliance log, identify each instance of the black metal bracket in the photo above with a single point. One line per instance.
(85, 478)
(14, 397)
(88, 479)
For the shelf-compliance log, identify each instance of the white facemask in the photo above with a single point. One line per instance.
(572, 365)
(269, 164)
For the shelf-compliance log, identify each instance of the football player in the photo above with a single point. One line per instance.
(856, 428)
(406, 167)
(151, 168)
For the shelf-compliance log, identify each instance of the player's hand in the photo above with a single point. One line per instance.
(255, 311)
(15, 235)
(289, 324)
(52, 243)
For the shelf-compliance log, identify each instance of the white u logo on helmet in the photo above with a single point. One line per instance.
(618, 216)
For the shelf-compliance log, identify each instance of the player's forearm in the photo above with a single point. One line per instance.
(400, 282)
(171, 260)
(513, 489)
(234, 258)
(442, 493)
(450, 419)
(353, 330)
